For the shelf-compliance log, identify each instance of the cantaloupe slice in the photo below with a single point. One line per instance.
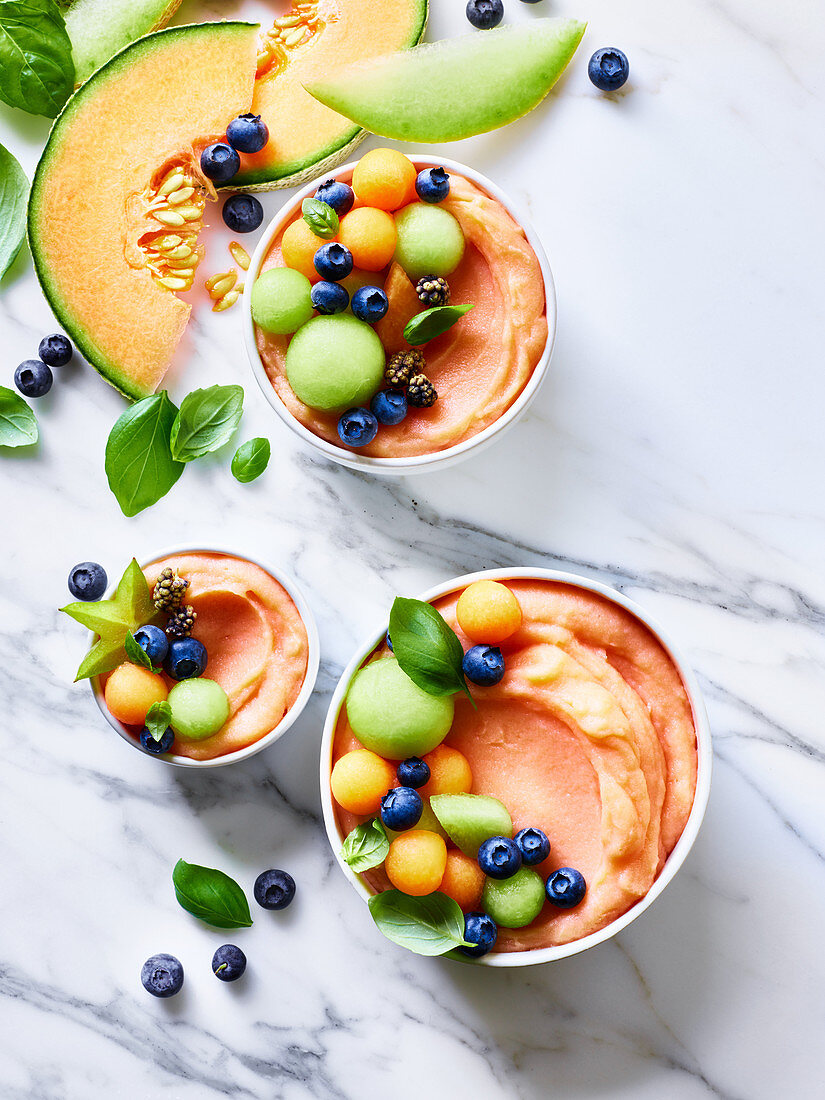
(403, 306)
(100, 245)
(99, 28)
(313, 37)
(445, 91)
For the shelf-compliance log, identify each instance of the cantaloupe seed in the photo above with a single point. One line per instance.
(220, 284)
(228, 299)
(240, 255)
(294, 29)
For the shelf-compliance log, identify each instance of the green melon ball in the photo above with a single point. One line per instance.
(516, 901)
(335, 363)
(281, 301)
(430, 240)
(392, 716)
(199, 708)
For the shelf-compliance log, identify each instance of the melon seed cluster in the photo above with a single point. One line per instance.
(171, 248)
(293, 29)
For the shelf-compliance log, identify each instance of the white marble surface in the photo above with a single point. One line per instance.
(676, 451)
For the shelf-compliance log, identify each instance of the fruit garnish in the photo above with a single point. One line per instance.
(370, 235)
(416, 860)
(389, 406)
(469, 819)
(137, 655)
(481, 933)
(340, 196)
(385, 179)
(413, 772)
(228, 963)
(488, 611)
(281, 301)
(444, 91)
(421, 393)
(357, 427)
(247, 133)
(463, 880)
(427, 650)
(432, 185)
(131, 691)
(112, 620)
(484, 14)
(366, 846)
(565, 888)
(429, 925)
(329, 298)
(298, 247)
(87, 581)
(274, 889)
(369, 304)
(401, 809)
(321, 218)
(211, 895)
(162, 975)
(152, 641)
(533, 845)
(33, 378)
(430, 241)
(335, 362)
(55, 350)
(181, 622)
(242, 213)
(200, 708)
(392, 715)
(499, 857)
(450, 772)
(516, 901)
(608, 69)
(186, 658)
(333, 261)
(483, 665)
(359, 781)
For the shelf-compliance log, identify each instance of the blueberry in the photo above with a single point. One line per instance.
(389, 406)
(242, 213)
(608, 69)
(274, 889)
(499, 857)
(565, 887)
(340, 196)
(329, 297)
(357, 427)
(533, 845)
(162, 976)
(186, 658)
(485, 14)
(220, 162)
(228, 963)
(413, 772)
(153, 642)
(247, 133)
(55, 350)
(87, 581)
(483, 665)
(370, 304)
(389, 643)
(480, 930)
(33, 378)
(401, 808)
(333, 261)
(432, 185)
(157, 748)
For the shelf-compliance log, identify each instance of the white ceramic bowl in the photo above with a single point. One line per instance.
(705, 755)
(313, 658)
(416, 463)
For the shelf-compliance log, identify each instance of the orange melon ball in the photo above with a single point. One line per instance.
(130, 691)
(370, 236)
(449, 772)
(415, 862)
(385, 178)
(360, 779)
(298, 247)
(488, 612)
(463, 880)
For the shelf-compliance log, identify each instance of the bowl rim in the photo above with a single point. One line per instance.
(704, 747)
(308, 686)
(435, 459)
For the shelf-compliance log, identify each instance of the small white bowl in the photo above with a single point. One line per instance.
(313, 659)
(704, 758)
(414, 463)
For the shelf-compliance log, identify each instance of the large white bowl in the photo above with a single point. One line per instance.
(313, 658)
(416, 463)
(704, 747)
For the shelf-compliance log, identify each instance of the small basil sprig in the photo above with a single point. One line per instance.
(251, 459)
(429, 925)
(158, 718)
(137, 654)
(321, 218)
(207, 419)
(211, 896)
(433, 322)
(18, 424)
(426, 648)
(14, 187)
(36, 67)
(140, 466)
(366, 846)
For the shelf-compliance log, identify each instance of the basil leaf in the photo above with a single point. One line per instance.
(14, 187)
(321, 218)
(139, 462)
(366, 846)
(251, 459)
(207, 419)
(137, 654)
(18, 424)
(36, 66)
(429, 925)
(432, 322)
(211, 896)
(158, 718)
(426, 648)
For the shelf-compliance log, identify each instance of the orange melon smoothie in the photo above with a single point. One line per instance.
(255, 640)
(589, 737)
(481, 365)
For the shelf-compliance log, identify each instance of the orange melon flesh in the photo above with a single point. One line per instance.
(157, 102)
(305, 137)
(403, 306)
